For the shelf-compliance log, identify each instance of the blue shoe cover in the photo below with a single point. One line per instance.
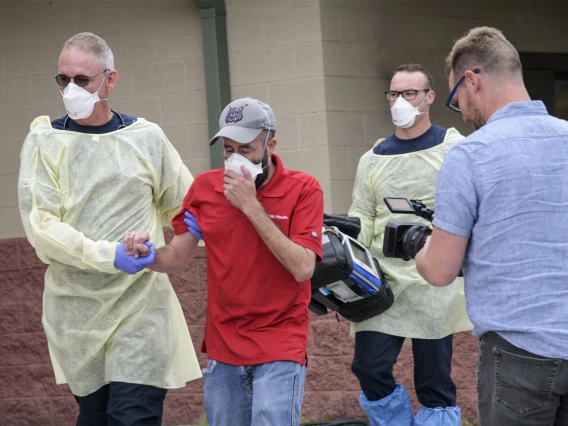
(392, 410)
(449, 416)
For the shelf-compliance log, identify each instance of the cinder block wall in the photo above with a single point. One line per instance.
(275, 55)
(30, 397)
(365, 40)
(28, 393)
(322, 65)
(158, 53)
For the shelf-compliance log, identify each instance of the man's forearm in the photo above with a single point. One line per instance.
(176, 256)
(440, 259)
(298, 260)
(423, 267)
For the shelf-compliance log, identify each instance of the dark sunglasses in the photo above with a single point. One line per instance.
(80, 80)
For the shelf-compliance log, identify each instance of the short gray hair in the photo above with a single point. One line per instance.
(94, 44)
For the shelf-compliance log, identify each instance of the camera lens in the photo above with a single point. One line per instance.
(414, 239)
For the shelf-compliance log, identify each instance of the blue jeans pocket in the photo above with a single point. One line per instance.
(211, 363)
(523, 384)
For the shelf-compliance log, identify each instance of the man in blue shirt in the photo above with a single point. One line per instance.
(406, 164)
(501, 216)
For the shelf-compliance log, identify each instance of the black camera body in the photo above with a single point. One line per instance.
(348, 280)
(404, 239)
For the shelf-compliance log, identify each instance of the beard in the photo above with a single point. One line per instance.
(259, 180)
(474, 115)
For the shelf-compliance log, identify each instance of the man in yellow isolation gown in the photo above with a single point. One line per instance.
(119, 340)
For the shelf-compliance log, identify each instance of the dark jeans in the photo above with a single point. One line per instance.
(122, 404)
(518, 388)
(376, 353)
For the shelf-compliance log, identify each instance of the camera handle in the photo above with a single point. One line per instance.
(421, 210)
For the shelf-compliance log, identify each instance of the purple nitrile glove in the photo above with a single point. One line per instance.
(130, 264)
(192, 225)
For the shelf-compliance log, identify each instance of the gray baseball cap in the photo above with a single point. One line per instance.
(243, 120)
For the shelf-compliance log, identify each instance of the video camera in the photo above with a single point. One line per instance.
(404, 239)
(348, 280)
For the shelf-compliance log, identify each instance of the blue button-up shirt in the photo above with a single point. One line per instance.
(505, 187)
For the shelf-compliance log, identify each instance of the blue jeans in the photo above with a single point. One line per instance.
(519, 388)
(122, 404)
(376, 353)
(254, 395)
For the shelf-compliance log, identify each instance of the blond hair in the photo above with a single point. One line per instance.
(485, 48)
(91, 43)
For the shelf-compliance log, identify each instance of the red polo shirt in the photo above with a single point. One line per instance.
(256, 311)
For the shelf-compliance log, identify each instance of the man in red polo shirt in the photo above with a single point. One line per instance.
(261, 224)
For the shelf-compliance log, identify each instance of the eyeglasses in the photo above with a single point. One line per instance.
(450, 103)
(80, 80)
(409, 95)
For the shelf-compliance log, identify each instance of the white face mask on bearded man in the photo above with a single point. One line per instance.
(258, 171)
(236, 160)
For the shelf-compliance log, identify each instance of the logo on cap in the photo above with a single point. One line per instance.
(235, 114)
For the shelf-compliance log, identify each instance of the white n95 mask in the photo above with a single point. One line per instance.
(79, 102)
(235, 161)
(404, 114)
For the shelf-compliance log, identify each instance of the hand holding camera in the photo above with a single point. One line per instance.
(404, 240)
